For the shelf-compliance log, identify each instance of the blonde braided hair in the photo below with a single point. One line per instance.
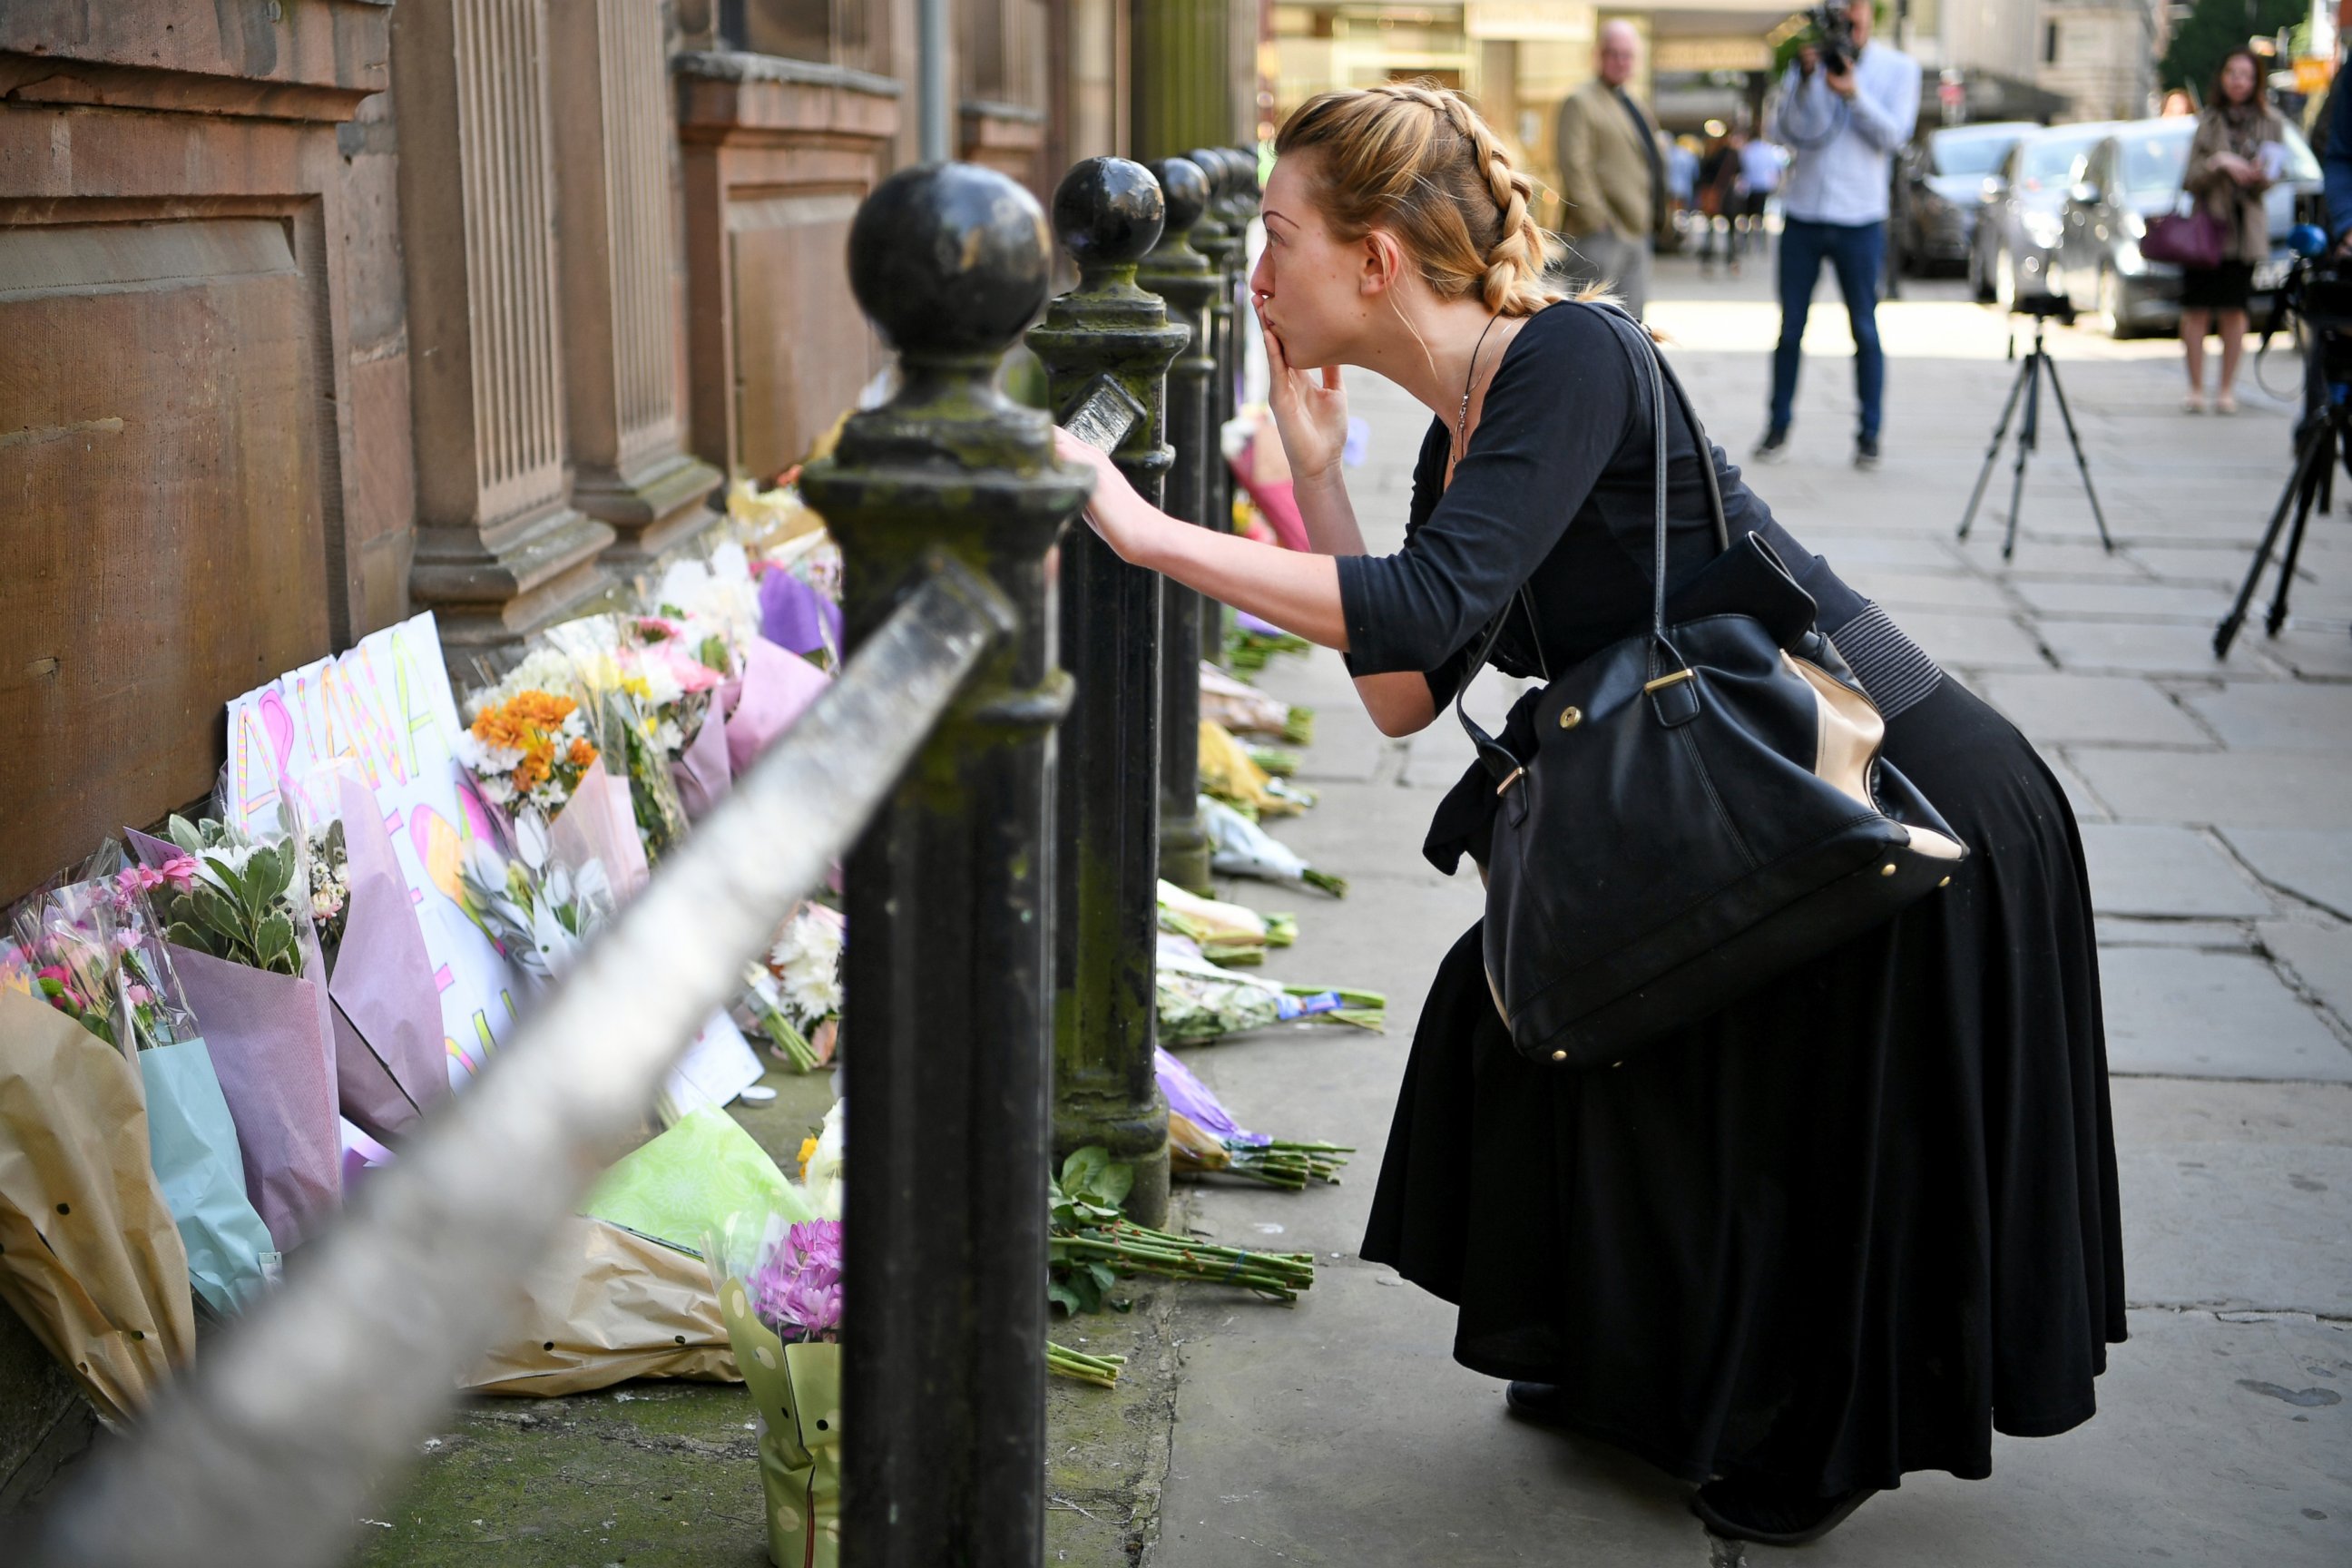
(1416, 159)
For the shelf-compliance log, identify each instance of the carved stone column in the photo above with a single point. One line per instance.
(625, 409)
(500, 549)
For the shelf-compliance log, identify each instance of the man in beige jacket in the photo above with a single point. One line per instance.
(1612, 174)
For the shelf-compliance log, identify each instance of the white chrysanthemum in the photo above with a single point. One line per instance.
(482, 758)
(807, 961)
(829, 1163)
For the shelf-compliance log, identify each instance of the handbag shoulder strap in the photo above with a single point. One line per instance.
(1649, 366)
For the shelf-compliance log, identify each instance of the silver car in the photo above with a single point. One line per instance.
(2131, 176)
(2018, 221)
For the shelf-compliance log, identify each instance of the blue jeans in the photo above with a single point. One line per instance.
(1856, 252)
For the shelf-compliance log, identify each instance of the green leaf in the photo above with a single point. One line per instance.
(1062, 1296)
(273, 940)
(213, 908)
(180, 934)
(1103, 1275)
(1079, 1171)
(184, 833)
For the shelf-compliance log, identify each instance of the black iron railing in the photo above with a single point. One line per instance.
(932, 762)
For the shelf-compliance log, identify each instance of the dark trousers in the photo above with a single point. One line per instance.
(1854, 251)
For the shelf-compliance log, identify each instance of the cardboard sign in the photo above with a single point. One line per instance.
(386, 706)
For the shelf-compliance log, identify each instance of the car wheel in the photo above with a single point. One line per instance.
(2004, 280)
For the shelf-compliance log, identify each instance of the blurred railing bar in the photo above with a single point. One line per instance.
(267, 1453)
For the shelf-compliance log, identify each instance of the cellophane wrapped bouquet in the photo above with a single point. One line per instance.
(527, 742)
(794, 993)
(779, 1278)
(637, 706)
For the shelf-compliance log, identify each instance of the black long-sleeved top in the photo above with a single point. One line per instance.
(1556, 491)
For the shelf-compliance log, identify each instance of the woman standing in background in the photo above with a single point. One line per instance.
(2232, 161)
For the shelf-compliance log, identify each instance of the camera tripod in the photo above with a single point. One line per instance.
(2314, 478)
(2028, 386)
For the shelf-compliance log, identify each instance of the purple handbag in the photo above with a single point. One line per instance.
(2194, 239)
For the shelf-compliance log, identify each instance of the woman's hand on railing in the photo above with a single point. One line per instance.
(1118, 514)
(1310, 411)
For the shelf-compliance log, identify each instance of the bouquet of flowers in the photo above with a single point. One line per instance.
(235, 911)
(1229, 773)
(1198, 1001)
(232, 898)
(779, 1279)
(527, 742)
(1222, 932)
(100, 961)
(1245, 710)
(539, 911)
(1251, 642)
(1240, 848)
(798, 568)
(1203, 1139)
(1092, 1245)
(796, 991)
(641, 714)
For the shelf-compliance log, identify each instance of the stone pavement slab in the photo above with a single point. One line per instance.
(2282, 717)
(2148, 601)
(2057, 707)
(2124, 930)
(2190, 1014)
(2319, 959)
(2224, 789)
(2138, 869)
(2137, 647)
(2314, 863)
(1973, 641)
(2236, 1195)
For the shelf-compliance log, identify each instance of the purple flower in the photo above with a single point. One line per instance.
(797, 1292)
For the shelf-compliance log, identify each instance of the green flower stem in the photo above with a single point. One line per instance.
(799, 1053)
(1101, 1371)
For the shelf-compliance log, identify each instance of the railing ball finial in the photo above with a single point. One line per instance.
(1217, 164)
(1184, 186)
(1109, 212)
(950, 260)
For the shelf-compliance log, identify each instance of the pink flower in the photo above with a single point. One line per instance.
(181, 872)
(59, 977)
(798, 1290)
(126, 940)
(141, 996)
(133, 880)
(689, 672)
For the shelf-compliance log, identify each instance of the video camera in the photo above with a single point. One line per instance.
(2317, 293)
(1832, 24)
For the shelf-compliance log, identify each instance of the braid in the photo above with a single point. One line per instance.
(1435, 172)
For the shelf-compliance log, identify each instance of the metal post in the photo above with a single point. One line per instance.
(1184, 280)
(1215, 237)
(1105, 346)
(931, 109)
(949, 892)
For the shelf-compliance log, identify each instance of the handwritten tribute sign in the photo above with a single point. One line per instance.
(385, 706)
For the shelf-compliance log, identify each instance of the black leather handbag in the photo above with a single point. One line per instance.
(1705, 806)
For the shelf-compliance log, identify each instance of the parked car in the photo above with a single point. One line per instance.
(2018, 224)
(1942, 182)
(2130, 176)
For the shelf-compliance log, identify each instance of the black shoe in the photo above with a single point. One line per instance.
(1537, 1402)
(1769, 1516)
(1865, 452)
(1774, 446)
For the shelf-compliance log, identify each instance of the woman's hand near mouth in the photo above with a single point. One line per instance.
(1309, 410)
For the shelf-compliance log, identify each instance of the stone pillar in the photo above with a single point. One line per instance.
(944, 1359)
(1184, 278)
(776, 154)
(624, 410)
(500, 549)
(1105, 346)
(1182, 82)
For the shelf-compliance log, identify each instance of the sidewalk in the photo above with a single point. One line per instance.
(2219, 824)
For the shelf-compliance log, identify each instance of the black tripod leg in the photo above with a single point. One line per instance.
(2058, 391)
(2320, 483)
(2299, 488)
(1992, 452)
(2027, 434)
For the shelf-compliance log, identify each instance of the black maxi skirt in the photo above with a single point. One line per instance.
(1846, 1229)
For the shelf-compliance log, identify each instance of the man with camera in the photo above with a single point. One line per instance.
(1845, 107)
